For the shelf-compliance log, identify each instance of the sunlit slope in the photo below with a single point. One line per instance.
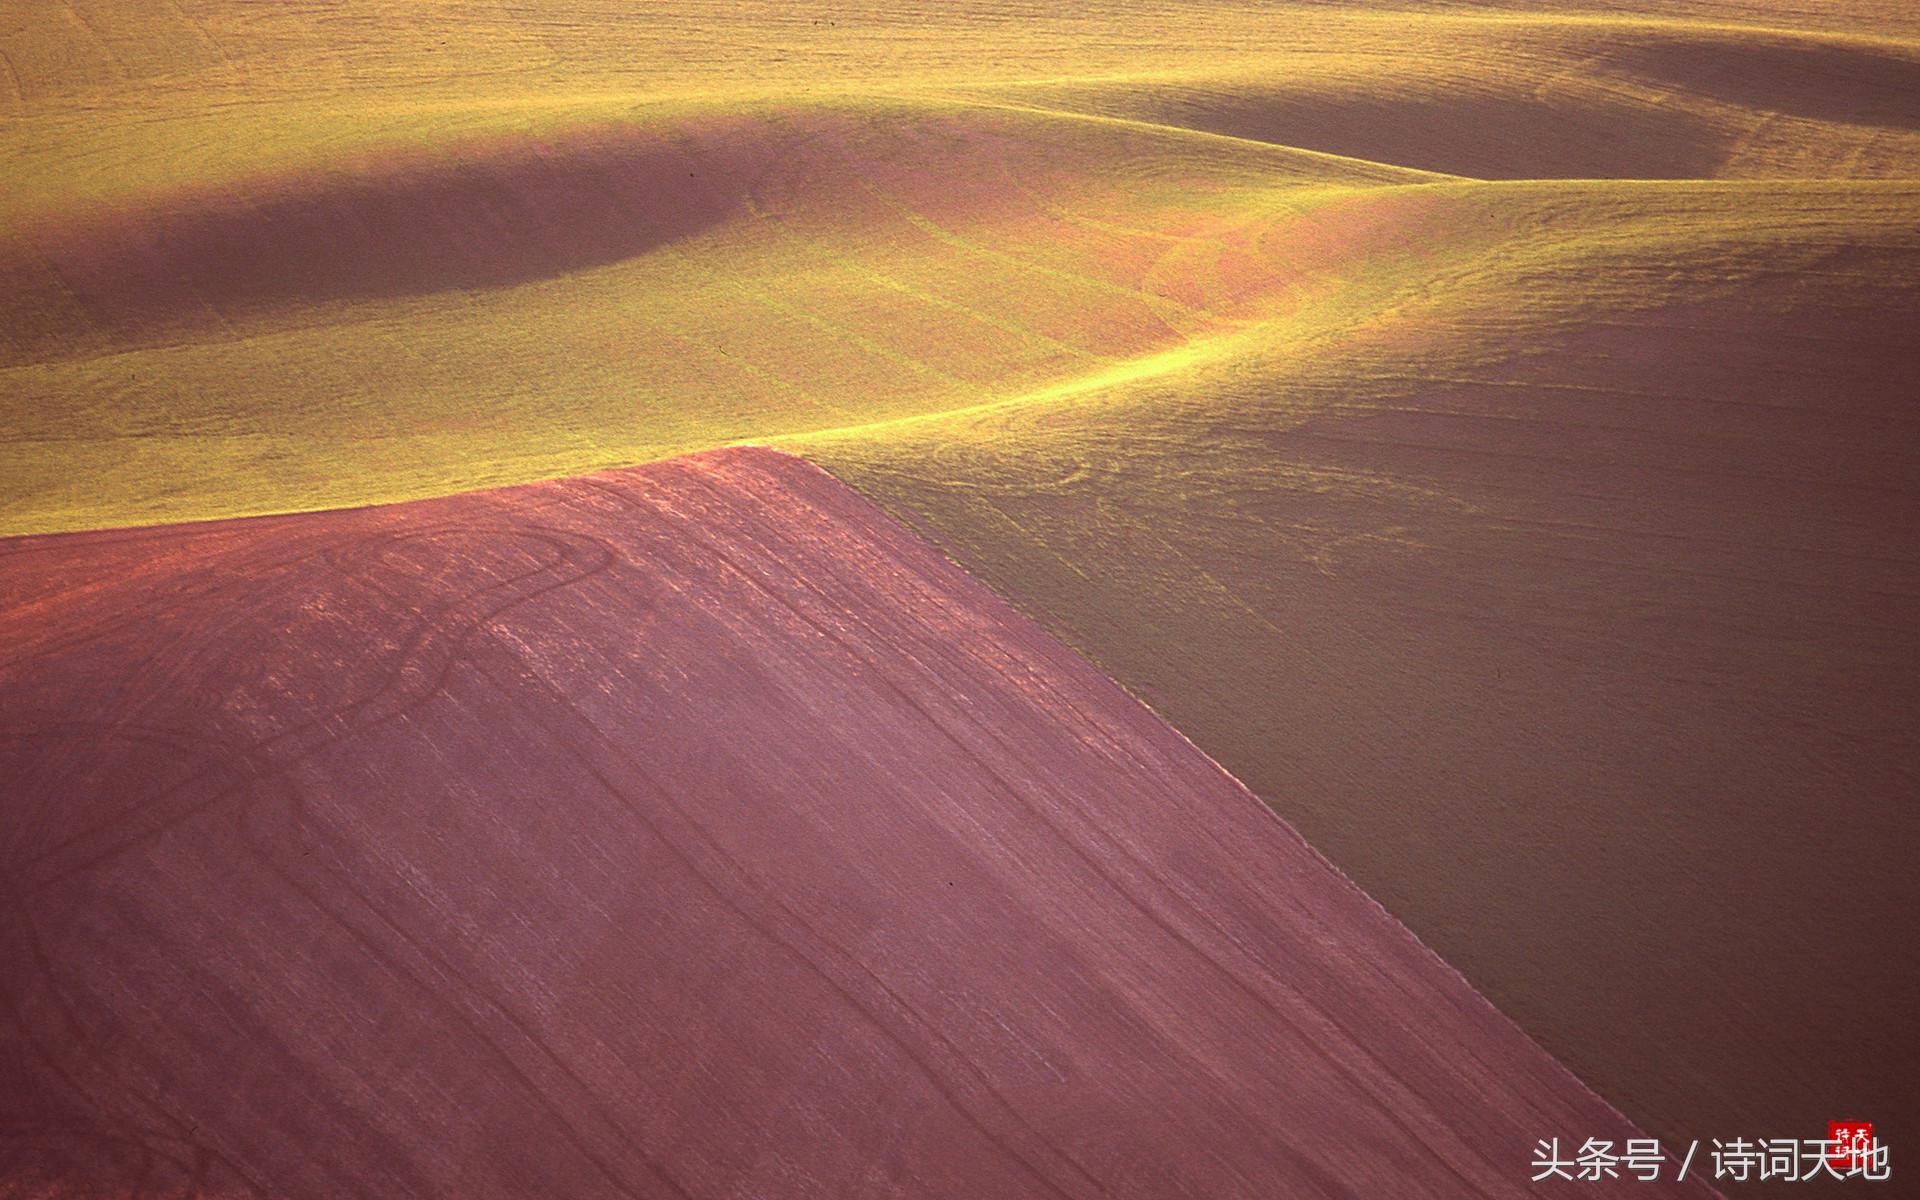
(514, 306)
(544, 304)
(1568, 603)
(269, 258)
(110, 97)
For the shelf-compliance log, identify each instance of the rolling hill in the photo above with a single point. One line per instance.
(693, 830)
(1485, 430)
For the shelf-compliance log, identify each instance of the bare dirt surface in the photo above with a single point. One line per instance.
(692, 830)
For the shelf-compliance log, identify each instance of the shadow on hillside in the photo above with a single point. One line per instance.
(495, 215)
(1856, 85)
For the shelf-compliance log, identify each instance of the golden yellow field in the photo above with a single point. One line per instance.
(261, 259)
(1385, 396)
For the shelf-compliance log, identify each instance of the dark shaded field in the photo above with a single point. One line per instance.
(693, 830)
(492, 213)
(1576, 624)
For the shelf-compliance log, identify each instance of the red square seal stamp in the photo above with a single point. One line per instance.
(1852, 1144)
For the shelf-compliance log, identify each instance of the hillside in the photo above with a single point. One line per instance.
(1486, 430)
(1570, 607)
(691, 830)
(274, 259)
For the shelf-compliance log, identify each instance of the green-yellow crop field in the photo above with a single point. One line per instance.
(1385, 396)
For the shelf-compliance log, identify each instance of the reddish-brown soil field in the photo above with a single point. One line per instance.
(693, 830)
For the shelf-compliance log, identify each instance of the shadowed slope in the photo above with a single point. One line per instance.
(1886, 18)
(208, 262)
(688, 831)
(1555, 98)
(1858, 83)
(1569, 603)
